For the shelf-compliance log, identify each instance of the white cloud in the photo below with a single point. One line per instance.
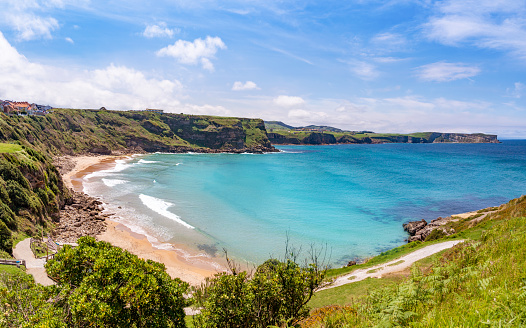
(115, 87)
(309, 116)
(363, 70)
(159, 31)
(198, 51)
(30, 26)
(517, 90)
(70, 40)
(288, 101)
(240, 86)
(445, 72)
(30, 19)
(389, 42)
(484, 23)
(410, 103)
(203, 109)
(347, 106)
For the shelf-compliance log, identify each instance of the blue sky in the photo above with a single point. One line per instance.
(386, 66)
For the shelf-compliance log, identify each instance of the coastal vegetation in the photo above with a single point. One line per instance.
(98, 285)
(78, 131)
(276, 294)
(31, 194)
(477, 283)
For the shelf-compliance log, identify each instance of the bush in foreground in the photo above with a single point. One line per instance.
(98, 285)
(105, 286)
(276, 294)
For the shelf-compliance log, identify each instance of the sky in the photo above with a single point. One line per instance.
(386, 66)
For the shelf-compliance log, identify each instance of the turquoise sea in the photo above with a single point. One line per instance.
(351, 198)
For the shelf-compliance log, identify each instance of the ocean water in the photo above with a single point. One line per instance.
(351, 199)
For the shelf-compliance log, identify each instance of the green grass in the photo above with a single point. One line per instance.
(346, 294)
(396, 263)
(383, 257)
(11, 269)
(9, 148)
(475, 284)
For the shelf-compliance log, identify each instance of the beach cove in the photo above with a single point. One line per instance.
(118, 234)
(159, 229)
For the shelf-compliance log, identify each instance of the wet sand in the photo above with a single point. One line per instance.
(121, 236)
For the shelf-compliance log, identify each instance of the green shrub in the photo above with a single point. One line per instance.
(7, 216)
(6, 241)
(105, 286)
(19, 195)
(275, 295)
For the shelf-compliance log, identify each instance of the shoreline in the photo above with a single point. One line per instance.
(118, 234)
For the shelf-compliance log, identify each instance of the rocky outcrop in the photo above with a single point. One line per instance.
(82, 216)
(421, 230)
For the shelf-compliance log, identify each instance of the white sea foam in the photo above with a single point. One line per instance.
(113, 182)
(143, 161)
(120, 165)
(161, 207)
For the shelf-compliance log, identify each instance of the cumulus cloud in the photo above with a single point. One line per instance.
(445, 72)
(484, 23)
(29, 18)
(240, 86)
(70, 40)
(115, 87)
(30, 26)
(198, 51)
(159, 31)
(288, 101)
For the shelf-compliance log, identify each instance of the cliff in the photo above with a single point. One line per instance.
(328, 138)
(72, 131)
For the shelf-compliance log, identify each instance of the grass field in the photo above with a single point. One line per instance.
(9, 148)
(10, 269)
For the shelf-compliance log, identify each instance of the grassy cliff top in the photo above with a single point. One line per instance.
(78, 131)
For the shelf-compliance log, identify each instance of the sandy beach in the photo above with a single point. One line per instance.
(119, 235)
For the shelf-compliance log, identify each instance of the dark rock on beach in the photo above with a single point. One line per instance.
(82, 216)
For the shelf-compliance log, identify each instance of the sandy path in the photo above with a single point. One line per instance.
(400, 264)
(35, 267)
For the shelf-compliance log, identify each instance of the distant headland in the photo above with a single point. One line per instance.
(280, 133)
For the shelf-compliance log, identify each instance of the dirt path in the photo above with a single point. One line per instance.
(35, 267)
(400, 264)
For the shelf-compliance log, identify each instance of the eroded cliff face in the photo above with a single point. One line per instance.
(466, 138)
(316, 138)
(71, 131)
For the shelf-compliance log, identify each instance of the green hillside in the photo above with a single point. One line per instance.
(31, 194)
(77, 131)
(478, 283)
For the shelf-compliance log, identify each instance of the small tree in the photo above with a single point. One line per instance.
(276, 294)
(105, 286)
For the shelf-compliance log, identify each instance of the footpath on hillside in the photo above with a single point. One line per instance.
(397, 265)
(35, 267)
